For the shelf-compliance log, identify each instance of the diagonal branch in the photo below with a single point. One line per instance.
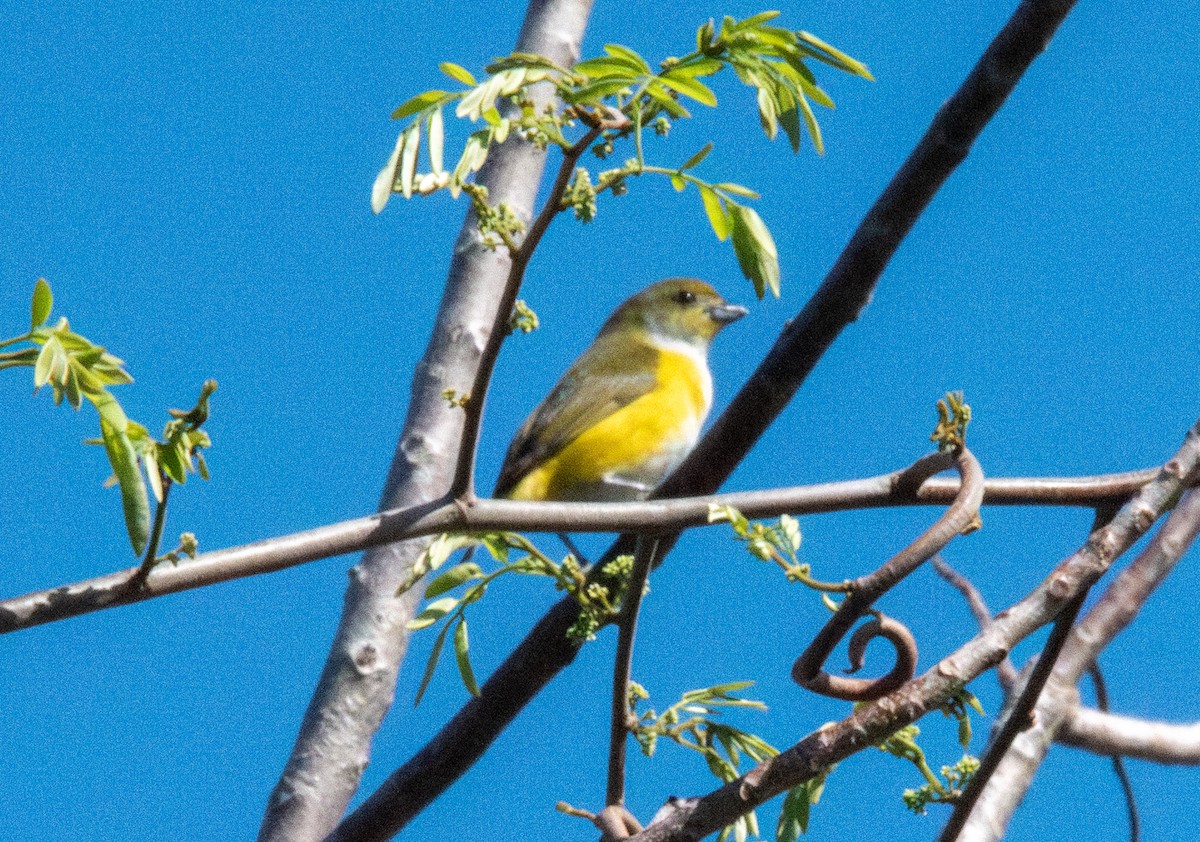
(686, 820)
(1112, 613)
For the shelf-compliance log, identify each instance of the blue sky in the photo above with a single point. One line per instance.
(193, 180)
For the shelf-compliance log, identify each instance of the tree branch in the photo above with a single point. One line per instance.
(358, 682)
(1112, 612)
(1006, 673)
(1114, 735)
(686, 820)
(444, 515)
(463, 486)
(643, 559)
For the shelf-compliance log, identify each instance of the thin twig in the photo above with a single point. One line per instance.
(138, 580)
(643, 559)
(1006, 673)
(1118, 762)
(463, 485)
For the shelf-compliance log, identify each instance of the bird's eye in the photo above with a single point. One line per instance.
(685, 296)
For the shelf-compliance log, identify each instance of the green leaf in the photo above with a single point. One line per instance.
(834, 57)
(433, 612)
(755, 249)
(697, 158)
(474, 154)
(736, 189)
(457, 72)
(789, 117)
(43, 301)
(678, 183)
(603, 68)
(71, 387)
(408, 159)
(632, 59)
(385, 182)
(690, 87)
(669, 104)
(169, 457)
(152, 473)
(431, 664)
(437, 140)
(697, 65)
(794, 815)
(45, 362)
(419, 103)
(754, 20)
(598, 90)
(452, 578)
(133, 490)
(810, 120)
(768, 111)
(718, 217)
(463, 657)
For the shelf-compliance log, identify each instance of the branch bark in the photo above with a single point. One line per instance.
(686, 820)
(358, 682)
(1112, 734)
(269, 555)
(1112, 613)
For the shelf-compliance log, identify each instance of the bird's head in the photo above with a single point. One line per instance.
(678, 309)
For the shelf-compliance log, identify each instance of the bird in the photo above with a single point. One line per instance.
(627, 412)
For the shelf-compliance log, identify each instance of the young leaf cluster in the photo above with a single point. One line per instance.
(953, 417)
(77, 369)
(777, 542)
(515, 554)
(618, 96)
(954, 778)
(689, 723)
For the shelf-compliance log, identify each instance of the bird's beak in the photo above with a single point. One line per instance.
(724, 314)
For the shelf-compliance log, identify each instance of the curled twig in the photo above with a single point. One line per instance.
(962, 516)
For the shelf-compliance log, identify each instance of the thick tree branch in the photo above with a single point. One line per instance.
(358, 682)
(443, 515)
(1112, 613)
(686, 820)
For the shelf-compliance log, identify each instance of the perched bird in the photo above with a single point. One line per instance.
(629, 410)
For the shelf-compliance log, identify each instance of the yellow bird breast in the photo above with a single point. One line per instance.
(626, 455)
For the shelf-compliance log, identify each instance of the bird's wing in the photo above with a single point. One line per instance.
(587, 394)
